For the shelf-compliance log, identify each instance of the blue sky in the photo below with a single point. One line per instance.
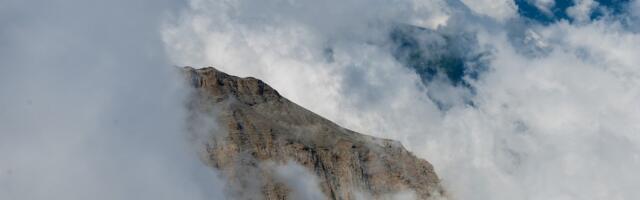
(559, 11)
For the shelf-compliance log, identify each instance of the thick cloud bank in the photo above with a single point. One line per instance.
(90, 108)
(550, 112)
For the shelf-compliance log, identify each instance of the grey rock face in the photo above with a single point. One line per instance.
(257, 126)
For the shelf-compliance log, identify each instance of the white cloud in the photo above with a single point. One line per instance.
(88, 112)
(303, 183)
(546, 125)
(544, 5)
(554, 126)
(500, 10)
(582, 10)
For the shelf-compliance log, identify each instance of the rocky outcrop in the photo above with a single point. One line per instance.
(257, 125)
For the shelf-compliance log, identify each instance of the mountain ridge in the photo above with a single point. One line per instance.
(257, 125)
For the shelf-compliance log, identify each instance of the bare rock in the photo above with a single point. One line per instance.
(258, 125)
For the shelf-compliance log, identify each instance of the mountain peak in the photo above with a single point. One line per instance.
(258, 125)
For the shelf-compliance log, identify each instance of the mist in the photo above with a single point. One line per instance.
(91, 107)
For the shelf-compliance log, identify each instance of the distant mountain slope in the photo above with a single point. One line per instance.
(259, 126)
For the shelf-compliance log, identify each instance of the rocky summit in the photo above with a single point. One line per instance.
(246, 128)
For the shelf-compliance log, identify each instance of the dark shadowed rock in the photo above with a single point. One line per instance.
(257, 126)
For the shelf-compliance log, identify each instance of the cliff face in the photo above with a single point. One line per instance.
(258, 126)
